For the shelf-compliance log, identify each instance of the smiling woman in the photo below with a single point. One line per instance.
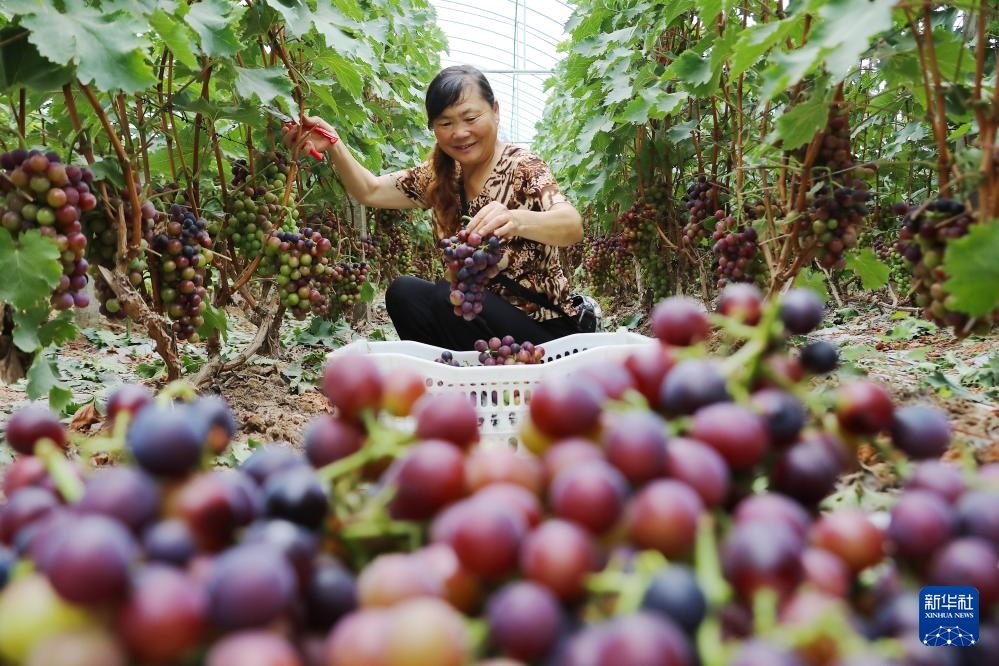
(507, 191)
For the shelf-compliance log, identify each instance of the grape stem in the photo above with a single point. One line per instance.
(382, 442)
(59, 468)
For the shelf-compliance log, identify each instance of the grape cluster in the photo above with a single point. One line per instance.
(184, 256)
(609, 264)
(922, 243)
(837, 211)
(447, 358)
(582, 554)
(41, 193)
(472, 260)
(885, 246)
(701, 200)
(256, 210)
(393, 240)
(736, 252)
(342, 285)
(102, 233)
(299, 263)
(640, 231)
(506, 351)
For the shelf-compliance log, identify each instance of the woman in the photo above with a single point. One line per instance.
(506, 190)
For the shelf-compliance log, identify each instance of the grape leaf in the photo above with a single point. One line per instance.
(296, 15)
(27, 323)
(43, 380)
(367, 292)
(212, 20)
(58, 330)
(845, 31)
(972, 262)
(30, 267)
(215, 320)
(266, 83)
(873, 273)
(22, 65)
(797, 126)
(106, 47)
(814, 280)
(176, 35)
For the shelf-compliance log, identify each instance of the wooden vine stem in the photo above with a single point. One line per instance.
(126, 163)
(271, 320)
(156, 325)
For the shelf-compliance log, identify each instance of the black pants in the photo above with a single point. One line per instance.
(422, 311)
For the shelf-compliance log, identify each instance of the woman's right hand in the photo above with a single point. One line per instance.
(310, 139)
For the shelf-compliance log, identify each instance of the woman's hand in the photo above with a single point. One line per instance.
(307, 136)
(497, 219)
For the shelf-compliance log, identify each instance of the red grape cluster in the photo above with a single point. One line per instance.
(507, 351)
(472, 260)
(41, 193)
(831, 225)
(184, 256)
(736, 252)
(342, 286)
(256, 210)
(922, 243)
(701, 199)
(609, 265)
(640, 231)
(392, 246)
(299, 263)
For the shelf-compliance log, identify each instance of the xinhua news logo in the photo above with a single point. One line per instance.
(948, 615)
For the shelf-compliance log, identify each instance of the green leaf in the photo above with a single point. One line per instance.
(30, 267)
(58, 330)
(26, 325)
(107, 48)
(801, 122)
(43, 380)
(873, 273)
(264, 83)
(346, 72)
(215, 320)
(22, 65)
(758, 39)
(296, 15)
(367, 292)
(176, 35)
(814, 280)
(692, 69)
(845, 30)
(212, 20)
(972, 262)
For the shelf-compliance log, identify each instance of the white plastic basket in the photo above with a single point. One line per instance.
(500, 393)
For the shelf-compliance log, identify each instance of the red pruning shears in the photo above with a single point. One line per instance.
(289, 123)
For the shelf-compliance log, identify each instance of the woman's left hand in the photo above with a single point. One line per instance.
(497, 219)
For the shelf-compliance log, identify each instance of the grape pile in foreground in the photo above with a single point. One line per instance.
(676, 513)
(42, 195)
(472, 260)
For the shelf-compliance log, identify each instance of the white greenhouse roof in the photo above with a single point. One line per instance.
(514, 42)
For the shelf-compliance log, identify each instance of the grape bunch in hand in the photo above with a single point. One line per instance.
(472, 260)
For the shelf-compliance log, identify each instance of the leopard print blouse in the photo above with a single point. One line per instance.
(520, 179)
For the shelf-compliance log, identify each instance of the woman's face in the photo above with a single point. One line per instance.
(466, 131)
